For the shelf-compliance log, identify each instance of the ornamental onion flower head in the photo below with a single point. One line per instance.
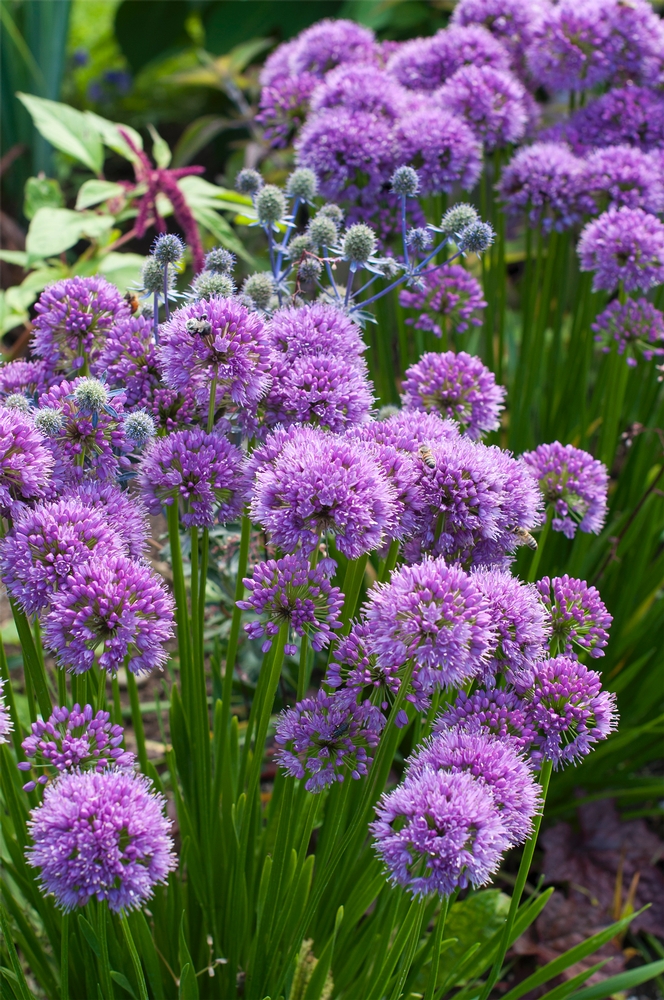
(112, 604)
(409, 430)
(547, 182)
(73, 319)
(123, 512)
(623, 175)
(289, 591)
(443, 147)
(324, 391)
(321, 483)
(457, 386)
(573, 483)
(282, 110)
(78, 739)
(26, 463)
(569, 51)
(46, 543)
(492, 101)
(28, 377)
(328, 43)
(637, 327)
(101, 835)
(623, 246)
(632, 116)
(511, 21)
(204, 473)
(128, 360)
(579, 619)
(568, 711)
(423, 64)
(439, 831)
(312, 330)
(324, 739)
(403, 474)
(357, 674)
(499, 711)
(6, 724)
(449, 298)
(361, 87)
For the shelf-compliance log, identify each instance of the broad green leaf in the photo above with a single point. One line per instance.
(623, 981)
(198, 191)
(122, 269)
(41, 192)
(95, 191)
(161, 153)
(67, 129)
(9, 317)
(54, 230)
(109, 134)
(19, 257)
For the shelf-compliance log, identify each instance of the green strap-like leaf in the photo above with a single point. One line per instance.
(623, 981)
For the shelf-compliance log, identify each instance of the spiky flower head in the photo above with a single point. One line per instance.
(259, 289)
(298, 246)
(419, 238)
(287, 591)
(270, 205)
(357, 674)
(6, 724)
(101, 835)
(78, 739)
(152, 276)
(91, 395)
(358, 244)
(17, 401)
(449, 297)
(313, 330)
(405, 182)
(579, 619)
(309, 269)
(322, 231)
(139, 427)
(168, 248)
(636, 326)
(248, 181)
(26, 464)
(623, 246)
(475, 237)
(302, 184)
(325, 739)
(219, 261)
(546, 181)
(457, 218)
(573, 483)
(332, 211)
(49, 422)
(210, 283)
(500, 711)
(114, 607)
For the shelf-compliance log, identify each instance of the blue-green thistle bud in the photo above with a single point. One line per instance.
(302, 184)
(168, 248)
(139, 427)
(270, 205)
(419, 238)
(248, 181)
(359, 243)
(457, 218)
(49, 421)
(476, 237)
(322, 231)
(91, 395)
(209, 284)
(259, 289)
(405, 182)
(152, 276)
(220, 261)
(17, 401)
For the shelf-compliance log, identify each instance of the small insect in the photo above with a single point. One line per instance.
(199, 325)
(425, 453)
(340, 731)
(525, 538)
(132, 300)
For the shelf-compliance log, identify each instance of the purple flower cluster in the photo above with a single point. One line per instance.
(124, 513)
(29, 378)
(101, 835)
(442, 145)
(499, 711)
(288, 591)
(128, 360)
(573, 484)
(636, 326)
(26, 464)
(492, 101)
(360, 674)
(624, 246)
(547, 182)
(510, 21)
(457, 386)
(78, 739)
(624, 175)
(424, 64)
(450, 299)
(578, 616)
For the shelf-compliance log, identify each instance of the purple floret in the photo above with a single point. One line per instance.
(324, 739)
(632, 116)
(572, 482)
(324, 391)
(128, 360)
(26, 463)
(546, 181)
(30, 378)
(202, 472)
(623, 246)
(498, 711)
(408, 430)
(637, 327)
(457, 386)
(115, 605)
(403, 475)
(283, 107)
(513, 22)
(359, 88)
(312, 330)
(329, 43)
(124, 513)
(288, 591)
(101, 835)
(623, 175)
(442, 147)
(578, 616)
(357, 674)
(450, 299)
(425, 63)
(491, 101)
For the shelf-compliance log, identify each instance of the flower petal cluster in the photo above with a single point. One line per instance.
(324, 739)
(358, 674)
(637, 327)
(329, 43)
(513, 22)
(423, 64)
(408, 430)
(492, 101)
(449, 299)
(313, 330)
(457, 386)
(289, 591)
(362, 87)
(124, 512)
(325, 391)
(283, 107)
(101, 835)
(624, 175)
(112, 604)
(573, 483)
(403, 475)
(30, 378)
(442, 146)
(623, 246)
(128, 360)
(569, 51)
(547, 182)
(26, 463)
(632, 116)
(579, 618)
(500, 711)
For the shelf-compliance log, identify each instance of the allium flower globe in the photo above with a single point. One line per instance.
(450, 299)
(123, 511)
(636, 326)
(623, 246)
(442, 146)
(357, 673)
(325, 391)
(491, 101)
(499, 711)
(579, 619)
(573, 483)
(622, 175)
(547, 182)
(26, 464)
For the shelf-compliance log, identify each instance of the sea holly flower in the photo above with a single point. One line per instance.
(101, 835)
(449, 299)
(624, 246)
(636, 326)
(579, 619)
(26, 464)
(115, 605)
(325, 739)
(289, 591)
(573, 484)
(80, 739)
(500, 711)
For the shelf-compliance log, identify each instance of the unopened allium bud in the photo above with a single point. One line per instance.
(207, 284)
(17, 401)
(332, 211)
(302, 184)
(405, 182)
(310, 269)
(220, 261)
(476, 237)
(322, 231)
(152, 276)
(270, 205)
(419, 238)
(259, 288)
(168, 248)
(91, 395)
(49, 421)
(139, 427)
(359, 243)
(457, 218)
(248, 181)
(299, 246)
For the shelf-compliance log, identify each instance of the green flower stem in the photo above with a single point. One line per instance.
(64, 958)
(302, 674)
(231, 650)
(101, 690)
(31, 661)
(413, 923)
(435, 957)
(614, 399)
(181, 611)
(8, 694)
(135, 960)
(524, 868)
(62, 687)
(541, 542)
(136, 718)
(104, 965)
(351, 588)
(390, 561)
(117, 706)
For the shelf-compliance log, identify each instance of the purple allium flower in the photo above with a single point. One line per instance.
(403, 475)
(172, 411)
(128, 360)
(408, 430)
(546, 181)
(325, 738)
(417, 65)
(569, 51)
(439, 831)
(30, 378)
(322, 483)
(312, 330)
(46, 543)
(329, 43)
(361, 87)
(326, 392)
(637, 326)
(634, 41)
(623, 175)
(425, 63)
(203, 471)
(578, 616)
(217, 343)
(102, 835)
(434, 615)
(442, 146)
(632, 116)
(277, 64)
(114, 604)
(457, 386)
(85, 443)
(73, 319)
(288, 591)
(511, 21)
(353, 153)
(26, 464)
(450, 298)
(283, 107)
(574, 483)
(491, 101)
(124, 513)
(498, 711)
(78, 739)
(624, 245)
(6, 724)
(493, 762)
(358, 675)
(568, 710)
(521, 622)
